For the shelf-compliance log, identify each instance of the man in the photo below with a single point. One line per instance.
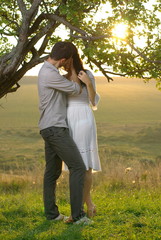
(59, 145)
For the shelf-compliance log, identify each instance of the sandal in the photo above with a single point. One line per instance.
(91, 212)
(69, 220)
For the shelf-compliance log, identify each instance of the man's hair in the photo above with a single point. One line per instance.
(61, 50)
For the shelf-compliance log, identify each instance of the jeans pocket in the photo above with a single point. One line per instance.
(53, 132)
(46, 133)
(60, 132)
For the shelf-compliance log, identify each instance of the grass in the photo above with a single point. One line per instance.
(126, 192)
(123, 213)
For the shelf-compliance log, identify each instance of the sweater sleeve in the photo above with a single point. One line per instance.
(59, 82)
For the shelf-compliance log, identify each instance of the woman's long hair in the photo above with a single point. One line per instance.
(77, 62)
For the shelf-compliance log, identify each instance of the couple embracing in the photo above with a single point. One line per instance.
(68, 128)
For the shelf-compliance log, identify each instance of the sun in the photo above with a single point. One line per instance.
(120, 30)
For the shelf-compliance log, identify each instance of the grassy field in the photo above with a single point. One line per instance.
(127, 191)
(122, 214)
(128, 121)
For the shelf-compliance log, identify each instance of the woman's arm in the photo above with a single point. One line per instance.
(91, 91)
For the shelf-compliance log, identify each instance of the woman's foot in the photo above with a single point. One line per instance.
(91, 212)
(69, 220)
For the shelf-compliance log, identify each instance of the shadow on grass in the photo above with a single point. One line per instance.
(48, 230)
(71, 232)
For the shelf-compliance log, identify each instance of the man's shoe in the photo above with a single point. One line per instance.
(83, 221)
(61, 217)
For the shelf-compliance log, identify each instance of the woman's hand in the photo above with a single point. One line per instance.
(84, 77)
(71, 73)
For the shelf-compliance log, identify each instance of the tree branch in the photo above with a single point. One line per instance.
(14, 89)
(23, 34)
(22, 7)
(33, 10)
(11, 21)
(141, 54)
(45, 41)
(128, 73)
(87, 37)
(98, 64)
(43, 2)
(34, 6)
(37, 37)
(65, 22)
(37, 22)
(27, 66)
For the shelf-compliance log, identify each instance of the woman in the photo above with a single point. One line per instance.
(82, 126)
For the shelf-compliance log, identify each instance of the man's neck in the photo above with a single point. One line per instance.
(53, 62)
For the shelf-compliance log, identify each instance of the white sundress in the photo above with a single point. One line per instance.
(82, 127)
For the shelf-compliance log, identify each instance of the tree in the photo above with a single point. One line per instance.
(31, 22)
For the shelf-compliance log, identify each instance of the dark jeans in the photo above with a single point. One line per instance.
(60, 146)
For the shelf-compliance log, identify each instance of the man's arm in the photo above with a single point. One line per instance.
(56, 81)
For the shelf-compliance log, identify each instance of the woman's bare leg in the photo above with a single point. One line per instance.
(87, 193)
(91, 209)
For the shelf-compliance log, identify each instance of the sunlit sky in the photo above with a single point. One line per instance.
(104, 11)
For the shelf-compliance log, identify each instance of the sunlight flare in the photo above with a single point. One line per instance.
(120, 30)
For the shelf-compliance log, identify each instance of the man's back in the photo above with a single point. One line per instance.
(52, 89)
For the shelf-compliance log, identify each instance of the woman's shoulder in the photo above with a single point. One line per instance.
(90, 75)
